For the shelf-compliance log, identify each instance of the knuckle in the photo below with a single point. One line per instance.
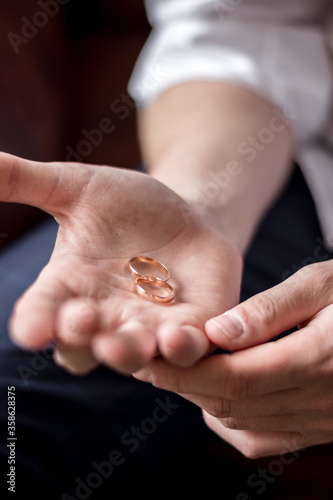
(236, 386)
(319, 276)
(233, 423)
(220, 408)
(265, 310)
(257, 313)
(316, 269)
(161, 381)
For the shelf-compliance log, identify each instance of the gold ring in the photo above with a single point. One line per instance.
(140, 259)
(168, 296)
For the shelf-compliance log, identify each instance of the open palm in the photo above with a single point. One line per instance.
(84, 299)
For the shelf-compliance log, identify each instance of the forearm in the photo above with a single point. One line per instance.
(223, 149)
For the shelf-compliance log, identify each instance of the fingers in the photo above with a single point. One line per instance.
(33, 322)
(127, 348)
(77, 321)
(89, 334)
(255, 444)
(270, 313)
(182, 345)
(76, 360)
(120, 341)
(272, 413)
(275, 403)
(42, 185)
(58, 305)
(274, 366)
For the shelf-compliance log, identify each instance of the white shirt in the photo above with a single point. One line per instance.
(279, 48)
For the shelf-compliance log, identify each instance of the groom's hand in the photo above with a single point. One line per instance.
(84, 299)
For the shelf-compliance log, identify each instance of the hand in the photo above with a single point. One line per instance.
(266, 398)
(84, 298)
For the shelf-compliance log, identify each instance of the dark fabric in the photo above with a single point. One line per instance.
(104, 434)
(66, 424)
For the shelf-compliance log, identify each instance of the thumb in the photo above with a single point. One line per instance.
(274, 311)
(42, 185)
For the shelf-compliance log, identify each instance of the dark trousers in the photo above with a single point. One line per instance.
(102, 434)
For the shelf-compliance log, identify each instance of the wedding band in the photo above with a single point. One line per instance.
(146, 284)
(140, 259)
(153, 282)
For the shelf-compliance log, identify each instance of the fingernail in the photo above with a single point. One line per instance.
(227, 323)
(143, 374)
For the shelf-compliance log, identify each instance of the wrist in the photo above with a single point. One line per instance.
(211, 197)
(222, 218)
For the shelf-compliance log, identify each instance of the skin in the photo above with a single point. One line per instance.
(84, 300)
(267, 398)
(263, 398)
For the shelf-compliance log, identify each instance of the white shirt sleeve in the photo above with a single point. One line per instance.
(276, 49)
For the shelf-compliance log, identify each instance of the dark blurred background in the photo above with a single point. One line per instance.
(63, 86)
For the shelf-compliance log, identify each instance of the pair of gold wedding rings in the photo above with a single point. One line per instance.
(147, 285)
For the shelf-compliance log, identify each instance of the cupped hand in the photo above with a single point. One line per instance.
(84, 299)
(266, 398)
